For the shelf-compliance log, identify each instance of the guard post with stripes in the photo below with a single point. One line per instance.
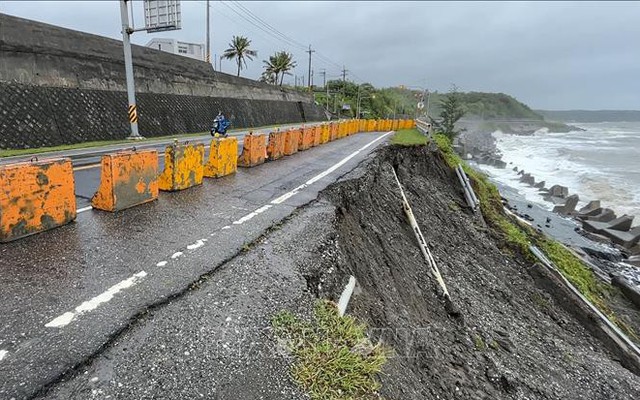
(133, 113)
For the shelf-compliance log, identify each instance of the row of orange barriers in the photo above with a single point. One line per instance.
(261, 147)
(40, 195)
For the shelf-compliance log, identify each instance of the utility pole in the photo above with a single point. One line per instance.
(344, 73)
(310, 51)
(128, 67)
(324, 77)
(208, 56)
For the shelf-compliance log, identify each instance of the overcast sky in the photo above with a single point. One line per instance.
(550, 55)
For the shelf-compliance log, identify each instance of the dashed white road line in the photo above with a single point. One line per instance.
(92, 304)
(83, 209)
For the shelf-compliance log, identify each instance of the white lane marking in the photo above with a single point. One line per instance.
(95, 302)
(3, 354)
(224, 228)
(161, 264)
(194, 246)
(321, 175)
(176, 255)
(90, 166)
(83, 209)
(252, 214)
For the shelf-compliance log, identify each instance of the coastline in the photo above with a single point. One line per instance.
(605, 258)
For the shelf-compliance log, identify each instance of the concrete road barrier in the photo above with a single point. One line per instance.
(291, 141)
(183, 167)
(127, 179)
(333, 131)
(254, 150)
(325, 134)
(275, 149)
(223, 158)
(35, 197)
(317, 135)
(305, 141)
(342, 129)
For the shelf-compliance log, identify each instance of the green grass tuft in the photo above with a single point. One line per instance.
(409, 137)
(334, 359)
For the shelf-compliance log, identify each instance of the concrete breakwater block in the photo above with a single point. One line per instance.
(626, 239)
(521, 172)
(559, 191)
(539, 185)
(515, 169)
(599, 215)
(590, 209)
(620, 224)
(569, 206)
(528, 179)
(554, 199)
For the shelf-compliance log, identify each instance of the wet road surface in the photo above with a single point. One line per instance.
(67, 292)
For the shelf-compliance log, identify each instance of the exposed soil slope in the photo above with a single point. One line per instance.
(513, 341)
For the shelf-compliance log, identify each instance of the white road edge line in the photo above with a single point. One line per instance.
(3, 354)
(92, 304)
(321, 175)
(83, 209)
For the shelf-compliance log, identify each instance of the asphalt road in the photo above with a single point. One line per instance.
(68, 292)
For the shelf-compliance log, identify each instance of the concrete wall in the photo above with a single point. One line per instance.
(61, 86)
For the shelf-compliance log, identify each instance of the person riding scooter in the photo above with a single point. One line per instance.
(220, 125)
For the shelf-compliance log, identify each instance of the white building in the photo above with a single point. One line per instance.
(193, 50)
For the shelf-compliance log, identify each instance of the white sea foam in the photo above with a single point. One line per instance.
(601, 162)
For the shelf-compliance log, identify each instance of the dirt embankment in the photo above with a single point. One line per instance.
(513, 342)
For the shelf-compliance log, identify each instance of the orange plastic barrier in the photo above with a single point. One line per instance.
(223, 158)
(333, 131)
(291, 141)
(127, 179)
(254, 150)
(342, 129)
(35, 197)
(275, 149)
(362, 125)
(183, 167)
(412, 123)
(388, 125)
(325, 133)
(306, 138)
(394, 125)
(371, 125)
(317, 135)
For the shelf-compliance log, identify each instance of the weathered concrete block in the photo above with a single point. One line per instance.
(627, 288)
(592, 208)
(569, 206)
(559, 191)
(539, 185)
(620, 224)
(602, 215)
(625, 239)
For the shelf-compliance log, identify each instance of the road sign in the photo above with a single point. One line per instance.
(420, 105)
(162, 15)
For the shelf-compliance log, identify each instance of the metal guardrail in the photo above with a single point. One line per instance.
(619, 334)
(469, 194)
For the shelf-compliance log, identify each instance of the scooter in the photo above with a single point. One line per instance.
(220, 127)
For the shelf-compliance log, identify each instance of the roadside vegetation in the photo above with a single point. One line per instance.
(519, 237)
(333, 358)
(409, 137)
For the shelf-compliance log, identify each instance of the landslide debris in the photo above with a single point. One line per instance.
(514, 340)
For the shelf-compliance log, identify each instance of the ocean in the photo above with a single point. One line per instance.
(602, 162)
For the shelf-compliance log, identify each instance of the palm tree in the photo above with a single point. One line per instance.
(239, 49)
(279, 65)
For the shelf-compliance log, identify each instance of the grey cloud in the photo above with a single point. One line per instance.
(555, 55)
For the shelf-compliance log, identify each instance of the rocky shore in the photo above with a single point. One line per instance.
(603, 238)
